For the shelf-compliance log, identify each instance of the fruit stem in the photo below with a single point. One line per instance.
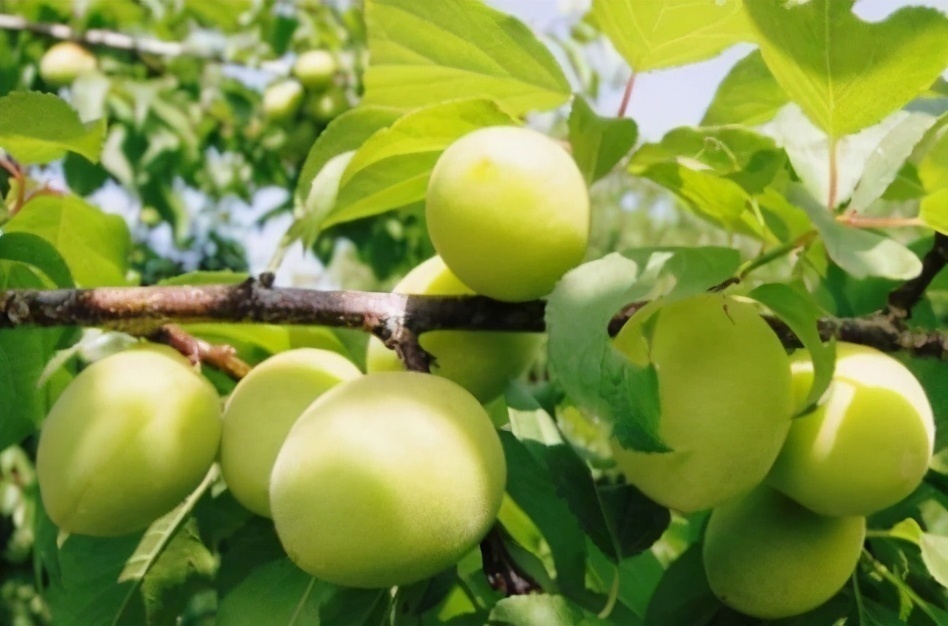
(503, 574)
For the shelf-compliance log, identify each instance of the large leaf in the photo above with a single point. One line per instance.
(749, 95)
(534, 609)
(428, 52)
(37, 252)
(863, 253)
(94, 244)
(39, 128)
(392, 167)
(847, 74)
(598, 142)
(653, 35)
(935, 556)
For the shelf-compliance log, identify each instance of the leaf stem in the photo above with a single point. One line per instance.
(775, 253)
(626, 96)
(857, 221)
(833, 176)
(899, 584)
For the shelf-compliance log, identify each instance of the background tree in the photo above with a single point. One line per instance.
(816, 186)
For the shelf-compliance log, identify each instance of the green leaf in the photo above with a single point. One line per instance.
(311, 216)
(935, 556)
(35, 251)
(748, 95)
(392, 167)
(800, 313)
(39, 128)
(94, 244)
(819, 52)
(620, 520)
(534, 609)
(219, 277)
(653, 35)
(184, 567)
(428, 52)
(280, 594)
(934, 210)
(595, 374)
(346, 132)
(860, 252)
(683, 595)
(598, 142)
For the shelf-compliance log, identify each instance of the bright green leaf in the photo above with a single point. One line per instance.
(800, 313)
(934, 210)
(39, 128)
(346, 132)
(861, 252)
(94, 244)
(428, 52)
(935, 556)
(392, 167)
(598, 142)
(748, 95)
(532, 610)
(847, 74)
(653, 35)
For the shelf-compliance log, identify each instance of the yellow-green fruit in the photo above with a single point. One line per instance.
(724, 388)
(64, 62)
(866, 446)
(130, 438)
(327, 106)
(315, 69)
(768, 557)
(386, 480)
(508, 211)
(262, 409)
(481, 362)
(282, 100)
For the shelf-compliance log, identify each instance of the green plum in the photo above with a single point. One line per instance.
(315, 69)
(769, 557)
(282, 100)
(481, 362)
(867, 445)
(724, 390)
(508, 211)
(262, 409)
(64, 62)
(327, 106)
(128, 440)
(386, 480)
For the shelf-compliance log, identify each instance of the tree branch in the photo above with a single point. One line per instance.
(397, 319)
(220, 357)
(904, 299)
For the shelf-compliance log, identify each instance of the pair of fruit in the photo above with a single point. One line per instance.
(727, 393)
(313, 72)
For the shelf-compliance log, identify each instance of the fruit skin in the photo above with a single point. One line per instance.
(315, 69)
(64, 62)
(282, 100)
(508, 211)
(386, 480)
(724, 389)
(326, 107)
(262, 409)
(768, 557)
(481, 362)
(128, 439)
(866, 446)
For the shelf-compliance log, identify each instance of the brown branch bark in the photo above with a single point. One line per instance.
(397, 319)
(903, 300)
(198, 351)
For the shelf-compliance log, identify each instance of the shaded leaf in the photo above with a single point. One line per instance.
(534, 609)
(428, 52)
(39, 128)
(653, 35)
(935, 556)
(818, 52)
(598, 142)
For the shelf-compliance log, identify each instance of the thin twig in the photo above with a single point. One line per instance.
(854, 220)
(626, 96)
(221, 357)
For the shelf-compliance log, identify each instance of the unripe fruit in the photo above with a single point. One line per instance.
(386, 480)
(768, 557)
(128, 439)
(262, 409)
(869, 443)
(64, 62)
(327, 106)
(508, 211)
(724, 389)
(315, 69)
(282, 100)
(481, 362)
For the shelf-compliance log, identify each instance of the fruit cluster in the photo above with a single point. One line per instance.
(789, 496)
